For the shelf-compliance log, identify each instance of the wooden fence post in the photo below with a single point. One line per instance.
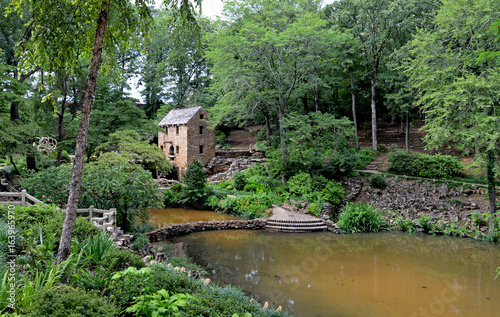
(23, 197)
(91, 212)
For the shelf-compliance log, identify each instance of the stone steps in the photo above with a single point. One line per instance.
(295, 225)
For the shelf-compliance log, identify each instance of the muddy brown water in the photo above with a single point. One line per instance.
(160, 218)
(383, 274)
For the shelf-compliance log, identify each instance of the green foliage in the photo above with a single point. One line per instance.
(314, 209)
(405, 224)
(128, 189)
(125, 146)
(140, 241)
(63, 302)
(315, 138)
(424, 165)
(425, 223)
(478, 219)
(92, 281)
(300, 184)
(239, 180)
(333, 192)
(360, 218)
(95, 248)
(195, 182)
(160, 303)
(220, 137)
(365, 157)
(378, 181)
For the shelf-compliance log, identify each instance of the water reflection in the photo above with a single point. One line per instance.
(160, 218)
(388, 274)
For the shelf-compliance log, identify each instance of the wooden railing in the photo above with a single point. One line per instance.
(107, 221)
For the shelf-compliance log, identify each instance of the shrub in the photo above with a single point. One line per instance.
(119, 259)
(129, 189)
(314, 209)
(239, 180)
(65, 302)
(360, 218)
(401, 162)
(378, 181)
(436, 166)
(333, 192)
(365, 157)
(300, 184)
(97, 247)
(424, 165)
(405, 224)
(160, 303)
(140, 241)
(195, 181)
(124, 289)
(425, 223)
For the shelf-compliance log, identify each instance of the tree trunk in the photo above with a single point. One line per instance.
(407, 132)
(353, 97)
(304, 102)
(315, 90)
(491, 188)
(268, 127)
(60, 131)
(76, 176)
(14, 111)
(374, 114)
(282, 143)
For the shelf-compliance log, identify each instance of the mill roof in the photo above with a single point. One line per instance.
(179, 116)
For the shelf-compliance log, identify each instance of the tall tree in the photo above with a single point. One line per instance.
(61, 30)
(381, 26)
(262, 55)
(174, 67)
(458, 84)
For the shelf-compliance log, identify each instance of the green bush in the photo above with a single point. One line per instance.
(195, 183)
(405, 224)
(360, 218)
(239, 180)
(333, 192)
(424, 165)
(140, 241)
(65, 302)
(314, 209)
(95, 248)
(129, 189)
(402, 162)
(160, 303)
(378, 181)
(365, 157)
(300, 184)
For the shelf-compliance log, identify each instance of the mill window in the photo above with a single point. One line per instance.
(201, 129)
(177, 130)
(201, 149)
(177, 149)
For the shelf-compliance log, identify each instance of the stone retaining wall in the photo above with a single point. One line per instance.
(197, 226)
(223, 168)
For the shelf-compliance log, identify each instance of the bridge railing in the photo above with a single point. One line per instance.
(107, 220)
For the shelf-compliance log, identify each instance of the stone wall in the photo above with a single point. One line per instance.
(197, 226)
(223, 168)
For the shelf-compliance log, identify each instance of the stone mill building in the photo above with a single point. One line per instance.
(186, 136)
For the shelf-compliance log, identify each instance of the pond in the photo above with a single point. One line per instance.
(383, 274)
(160, 218)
